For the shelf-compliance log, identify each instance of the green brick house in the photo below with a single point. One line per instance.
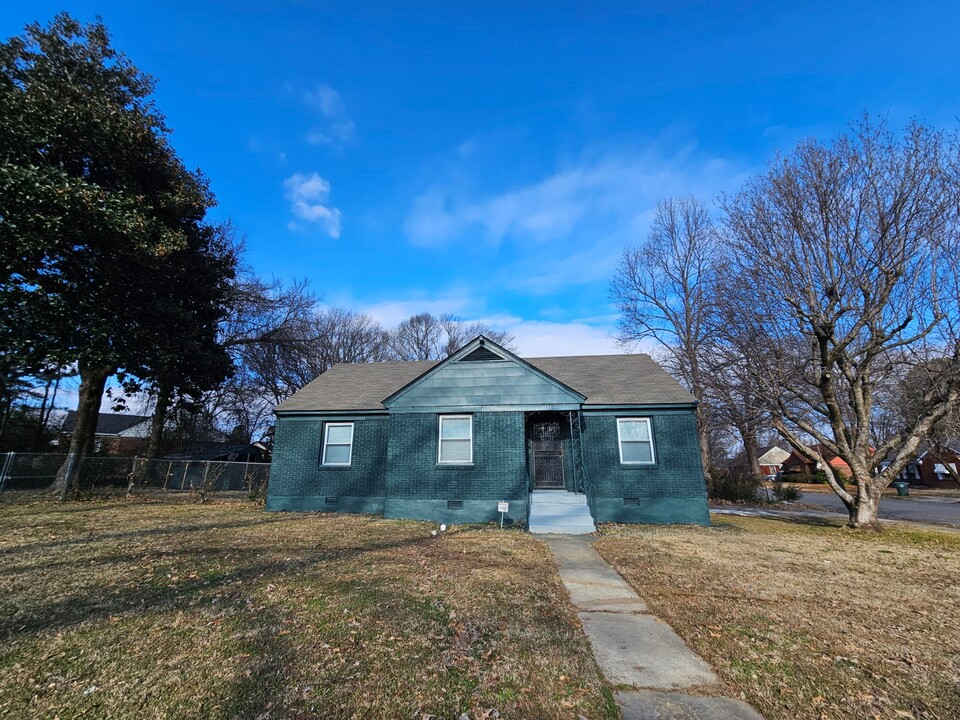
(566, 441)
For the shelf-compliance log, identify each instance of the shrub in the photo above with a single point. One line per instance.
(786, 492)
(734, 484)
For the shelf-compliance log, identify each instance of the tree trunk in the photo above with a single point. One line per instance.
(159, 420)
(93, 380)
(863, 513)
(752, 451)
(704, 437)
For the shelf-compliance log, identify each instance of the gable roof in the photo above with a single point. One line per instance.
(616, 379)
(602, 379)
(507, 359)
(216, 451)
(355, 386)
(107, 423)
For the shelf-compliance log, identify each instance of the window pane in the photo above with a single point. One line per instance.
(454, 451)
(455, 428)
(634, 430)
(339, 434)
(636, 452)
(338, 454)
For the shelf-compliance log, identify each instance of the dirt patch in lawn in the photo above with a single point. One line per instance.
(808, 620)
(154, 611)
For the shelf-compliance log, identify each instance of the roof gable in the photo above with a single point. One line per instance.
(483, 375)
(109, 423)
(606, 381)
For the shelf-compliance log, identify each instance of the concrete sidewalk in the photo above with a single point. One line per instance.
(634, 648)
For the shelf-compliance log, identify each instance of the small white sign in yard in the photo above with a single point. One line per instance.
(503, 508)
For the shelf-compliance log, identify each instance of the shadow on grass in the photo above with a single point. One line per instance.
(778, 515)
(144, 533)
(72, 611)
(254, 693)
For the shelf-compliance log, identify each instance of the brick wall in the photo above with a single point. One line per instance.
(670, 490)
(394, 469)
(296, 471)
(419, 487)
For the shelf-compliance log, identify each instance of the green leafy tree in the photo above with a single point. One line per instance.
(99, 218)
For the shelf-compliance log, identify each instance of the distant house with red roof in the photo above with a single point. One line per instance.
(797, 464)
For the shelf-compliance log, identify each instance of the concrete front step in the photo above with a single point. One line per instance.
(560, 513)
(540, 497)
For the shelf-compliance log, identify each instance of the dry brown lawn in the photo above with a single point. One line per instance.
(809, 621)
(138, 610)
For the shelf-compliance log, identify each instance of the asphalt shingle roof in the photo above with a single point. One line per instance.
(107, 423)
(603, 379)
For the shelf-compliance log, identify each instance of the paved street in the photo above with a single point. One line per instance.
(936, 510)
(940, 510)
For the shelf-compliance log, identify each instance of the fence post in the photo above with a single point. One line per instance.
(6, 470)
(166, 478)
(186, 469)
(68, 476)
(131, 478)
(246, 475)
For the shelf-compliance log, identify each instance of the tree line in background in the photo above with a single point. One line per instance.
(112, 269)
(822, 304)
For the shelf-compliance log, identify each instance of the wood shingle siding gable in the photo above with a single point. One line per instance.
(483, 385)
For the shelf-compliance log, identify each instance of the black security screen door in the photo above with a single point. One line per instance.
(547, 456)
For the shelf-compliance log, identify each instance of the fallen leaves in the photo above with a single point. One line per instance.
(222, 611)
(870, 633)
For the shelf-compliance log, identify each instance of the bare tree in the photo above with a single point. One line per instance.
(732, 400)
(842, 269)
(427, 337)
(262, 317)
(663, 290)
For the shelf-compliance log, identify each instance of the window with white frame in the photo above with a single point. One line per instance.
(636, 441)
(337, 443)
(455, 446)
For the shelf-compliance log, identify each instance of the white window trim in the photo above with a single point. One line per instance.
(326, 442)
(653, 450)
(440, 439)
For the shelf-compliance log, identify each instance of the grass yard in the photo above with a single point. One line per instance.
(138, 610)
(809, 621)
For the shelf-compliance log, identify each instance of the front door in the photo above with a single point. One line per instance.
(547, 456)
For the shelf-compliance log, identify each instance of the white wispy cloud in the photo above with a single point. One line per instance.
(336, 126)
(308, 196)
(391, 313)
(542, 338)
(534, 337)
(609, 190)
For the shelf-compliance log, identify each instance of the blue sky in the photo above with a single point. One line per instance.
(494, 162)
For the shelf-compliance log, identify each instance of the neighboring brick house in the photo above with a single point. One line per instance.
(799, 464)
(939, 465)
(446, 441)
(117, 433)
(935, 466)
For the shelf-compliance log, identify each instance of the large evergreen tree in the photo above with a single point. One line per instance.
(106, 254)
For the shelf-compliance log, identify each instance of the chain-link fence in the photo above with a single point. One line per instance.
(33, 476)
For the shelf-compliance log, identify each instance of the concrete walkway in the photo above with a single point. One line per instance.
(635, 649)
